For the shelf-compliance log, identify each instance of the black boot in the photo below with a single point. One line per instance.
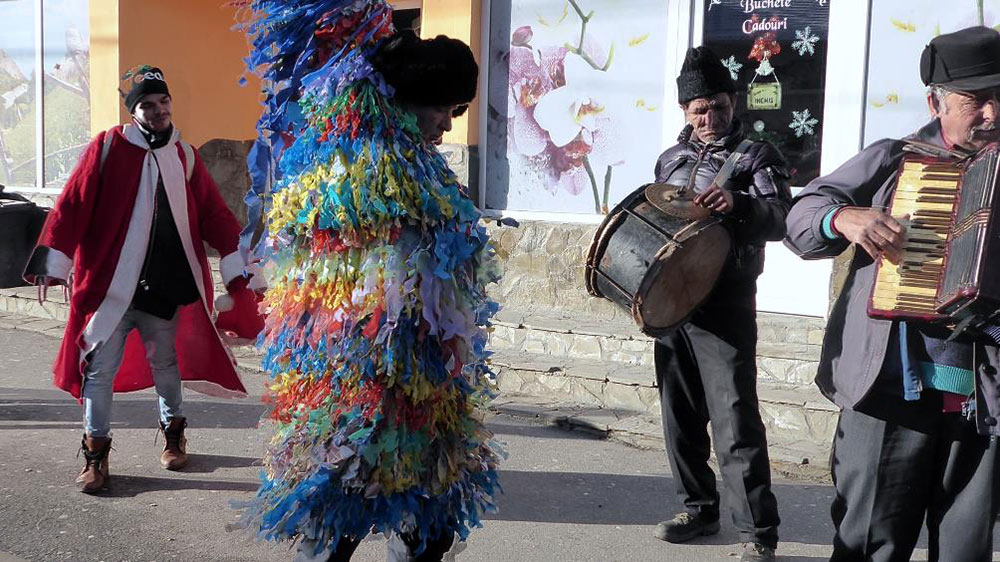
(686, 526)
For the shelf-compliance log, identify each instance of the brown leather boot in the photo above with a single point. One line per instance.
(174, 455)
(95, 474)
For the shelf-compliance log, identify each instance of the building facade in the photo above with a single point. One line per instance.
(577, 100)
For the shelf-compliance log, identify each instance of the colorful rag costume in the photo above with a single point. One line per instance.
(377, 326)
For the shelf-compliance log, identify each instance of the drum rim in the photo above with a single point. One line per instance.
(601, 238)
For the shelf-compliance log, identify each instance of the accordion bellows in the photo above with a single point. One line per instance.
(375, 341)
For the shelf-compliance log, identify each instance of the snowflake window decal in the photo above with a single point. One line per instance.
(805, 41)
(733, 66)
(803, 123)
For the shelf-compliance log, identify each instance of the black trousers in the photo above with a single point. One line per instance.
(891, 475)
(706, 371)
(400, 548)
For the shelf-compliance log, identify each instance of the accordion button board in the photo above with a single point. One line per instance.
(949, 269)
(924, 201)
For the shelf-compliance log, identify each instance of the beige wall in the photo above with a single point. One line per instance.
(459, 19)
(201, 58)
(104, 75)
(202, 61)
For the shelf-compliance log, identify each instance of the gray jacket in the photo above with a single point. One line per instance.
(854, 346)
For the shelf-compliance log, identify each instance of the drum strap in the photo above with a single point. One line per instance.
(722, 178)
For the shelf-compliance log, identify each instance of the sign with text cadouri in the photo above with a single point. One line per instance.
(775, 50)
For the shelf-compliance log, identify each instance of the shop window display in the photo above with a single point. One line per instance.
(776, 52)
(896, 103)
(67, 87)
(574, 104)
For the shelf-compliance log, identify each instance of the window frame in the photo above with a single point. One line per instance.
(39, 105)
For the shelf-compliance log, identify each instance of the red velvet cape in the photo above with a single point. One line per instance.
(89, 223)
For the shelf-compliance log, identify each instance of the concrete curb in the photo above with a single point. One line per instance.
(807, 463)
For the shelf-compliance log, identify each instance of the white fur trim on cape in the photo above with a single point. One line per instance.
(212, 389)
(57, 264)
(258, 283)
(231, 267)
(133, 252)
(224, 303)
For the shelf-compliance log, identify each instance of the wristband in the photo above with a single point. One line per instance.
(827, 227)
(833, 222)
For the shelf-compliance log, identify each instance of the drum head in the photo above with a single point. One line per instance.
(682, 277)
(668, 199)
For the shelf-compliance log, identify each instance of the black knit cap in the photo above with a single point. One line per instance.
(140, 81)
(427, 72)
(702, 76)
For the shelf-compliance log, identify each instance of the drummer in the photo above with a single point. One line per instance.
(706, 370)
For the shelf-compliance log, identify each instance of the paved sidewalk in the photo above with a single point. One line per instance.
(568, 496)
(639, 430)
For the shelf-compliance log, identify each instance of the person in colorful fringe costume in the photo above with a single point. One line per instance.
(377, 263)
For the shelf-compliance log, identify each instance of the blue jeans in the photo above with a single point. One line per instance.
(98, 378)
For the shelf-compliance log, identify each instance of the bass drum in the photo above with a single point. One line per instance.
(658, 256)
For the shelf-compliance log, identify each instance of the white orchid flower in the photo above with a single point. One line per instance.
(566, 111)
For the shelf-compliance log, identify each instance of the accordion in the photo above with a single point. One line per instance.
(950, 266)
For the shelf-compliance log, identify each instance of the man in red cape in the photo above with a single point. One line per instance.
(130, 225)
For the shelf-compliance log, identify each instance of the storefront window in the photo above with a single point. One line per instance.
(776, 51)
(896, 104)
(574, 116)
(67, 87)
(17, 94)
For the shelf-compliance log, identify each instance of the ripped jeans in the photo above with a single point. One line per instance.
(98, 379)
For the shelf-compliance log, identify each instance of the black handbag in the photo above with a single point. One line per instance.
(21, 223)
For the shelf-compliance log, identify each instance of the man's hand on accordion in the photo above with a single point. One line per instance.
(872, 229)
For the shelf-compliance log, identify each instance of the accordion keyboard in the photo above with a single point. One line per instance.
(926, 192)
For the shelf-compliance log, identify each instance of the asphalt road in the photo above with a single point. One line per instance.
(568, 496)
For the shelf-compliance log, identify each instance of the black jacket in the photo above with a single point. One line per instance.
(759, 182)
(165, 280)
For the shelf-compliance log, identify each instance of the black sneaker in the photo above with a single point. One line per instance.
(686, 526)
(756, 552)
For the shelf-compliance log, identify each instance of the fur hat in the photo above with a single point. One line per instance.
(702, 76)
(428, 72)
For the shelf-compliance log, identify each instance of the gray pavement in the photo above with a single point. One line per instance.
(568, 496)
